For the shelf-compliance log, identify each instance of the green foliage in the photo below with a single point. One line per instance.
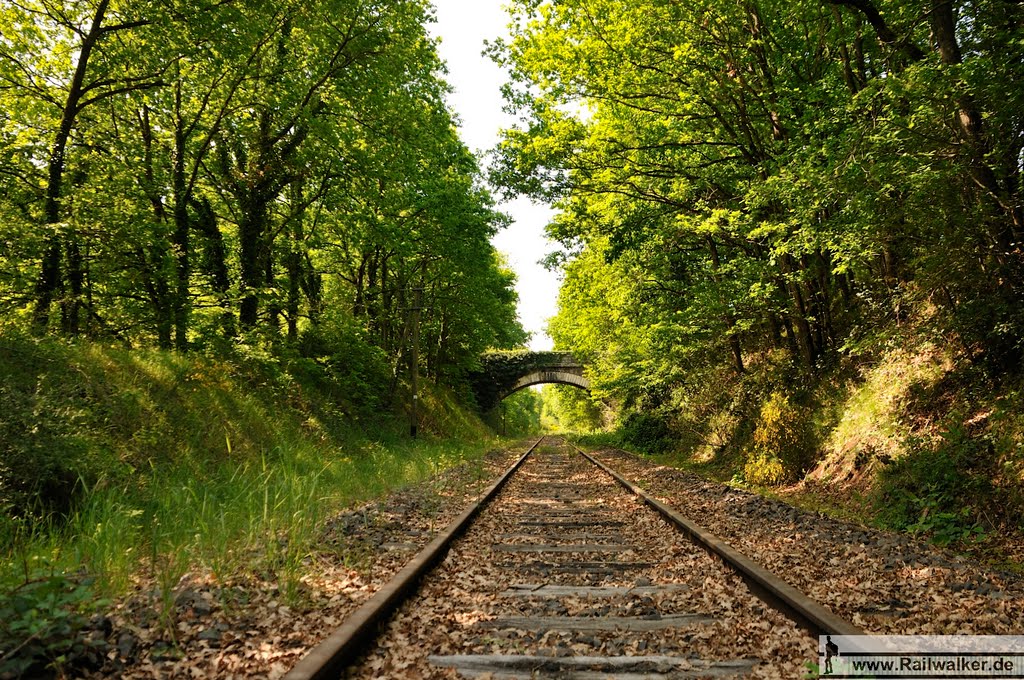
(343, 362)
(646, 432)
(237, 178)
(781, 449)
(42, 623)
(739, 182)
(764, 468)
(759, 201)
(569, 409)
(812, 671)
(939, 489)
(520, 414)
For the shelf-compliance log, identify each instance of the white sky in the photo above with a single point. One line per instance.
(463, 26)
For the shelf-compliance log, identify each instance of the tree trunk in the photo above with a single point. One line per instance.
(215, 260)
(251, 232)
(294, 266)
(182, 226)
(293, 263)
(312, 286)
(804, 334)
(270, 281)
(358, 306)
(791, 341)
(727, 317)
(49, 282)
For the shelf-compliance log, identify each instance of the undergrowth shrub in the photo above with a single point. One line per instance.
(341, 361)
(108, 454)
(648, 432)
(121, 464)
(781, 448)
(938, 489)
(43, 625)
(43, 406)
(763, 467)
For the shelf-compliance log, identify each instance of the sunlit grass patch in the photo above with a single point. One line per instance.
(174, 464)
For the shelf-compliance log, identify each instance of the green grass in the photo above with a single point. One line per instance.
(119, 463)
(872, 415)
(236, 517)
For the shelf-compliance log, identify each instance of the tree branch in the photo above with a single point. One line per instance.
(885, 34)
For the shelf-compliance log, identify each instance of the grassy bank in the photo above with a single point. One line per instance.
(124, 465)
(908, 433)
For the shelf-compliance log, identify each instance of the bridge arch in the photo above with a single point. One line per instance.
(504, 373)
(544, 377)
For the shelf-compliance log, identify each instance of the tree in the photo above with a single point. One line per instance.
(245, 173)
(762, 166)
(58, 62)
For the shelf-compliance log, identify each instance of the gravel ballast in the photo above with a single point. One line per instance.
(883, 582)
(567, 574)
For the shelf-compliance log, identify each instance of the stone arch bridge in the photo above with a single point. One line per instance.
(504, 373)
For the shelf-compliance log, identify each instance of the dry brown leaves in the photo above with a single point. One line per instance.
(883, 582)
(450, 614)
(244, 629)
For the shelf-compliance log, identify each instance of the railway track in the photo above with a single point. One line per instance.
(564, 569)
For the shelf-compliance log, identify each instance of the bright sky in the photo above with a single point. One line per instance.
(463, 26)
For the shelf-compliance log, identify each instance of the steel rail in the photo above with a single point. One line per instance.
(330, 657)
(772, 589)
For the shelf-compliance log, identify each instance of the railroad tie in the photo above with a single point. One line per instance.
(566, 574)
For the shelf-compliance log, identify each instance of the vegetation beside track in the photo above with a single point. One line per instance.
(910, 435)
(136, 467)
(302, 241)
(784, 260)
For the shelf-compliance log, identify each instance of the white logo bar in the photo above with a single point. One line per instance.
(931, 657)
